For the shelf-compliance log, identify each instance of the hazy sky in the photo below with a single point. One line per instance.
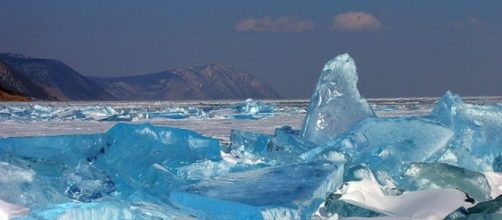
(402, 48)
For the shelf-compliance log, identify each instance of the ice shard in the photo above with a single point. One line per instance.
(179, 113)
(55, 150)
(282, 192)
(284, 146)
(334, 206)
(86, 183)
(386, 145)
(252, 109)
(244, 143)
(336, 103)
(477, 140)
(437, 175)
(170, 147)
(23, 186)
(146, 156)
(443, 110)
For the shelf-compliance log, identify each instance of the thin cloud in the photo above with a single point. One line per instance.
(289, 24)
(356, 21)
(471, 22)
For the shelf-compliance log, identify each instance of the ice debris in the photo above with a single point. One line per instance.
(336, 103)
(141, 112)
(45, 112)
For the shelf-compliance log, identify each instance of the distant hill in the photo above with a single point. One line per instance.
(55, 78)
(6, 95)
(14, 85)
(213, 81)
(23, 77)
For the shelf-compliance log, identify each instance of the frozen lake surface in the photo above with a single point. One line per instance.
(54, 118)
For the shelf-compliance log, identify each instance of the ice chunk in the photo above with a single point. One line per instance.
(180, 113)
(118, 118)
(49, 158)
(438, 175)
(429, 204)
(96, 112)
(62, 150)
(24, 187)
(334, 206)
(288, 140)
(386, 145)
(477, 128)
(210, 169)
(443, 109)
(169, 147)
(38, 112)
(336, 103)
(360, 172)
(86, 183)
(290, 192)
(284, 146)
(484, 210)
(248, 142)
(252, 109)
(146, 156)
(489, 207)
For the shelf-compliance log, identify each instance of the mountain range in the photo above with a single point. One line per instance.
(16, 86)
(27, 78)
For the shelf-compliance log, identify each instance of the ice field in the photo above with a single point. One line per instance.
(336, 156)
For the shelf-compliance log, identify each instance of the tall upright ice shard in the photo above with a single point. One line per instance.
(336, 103)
